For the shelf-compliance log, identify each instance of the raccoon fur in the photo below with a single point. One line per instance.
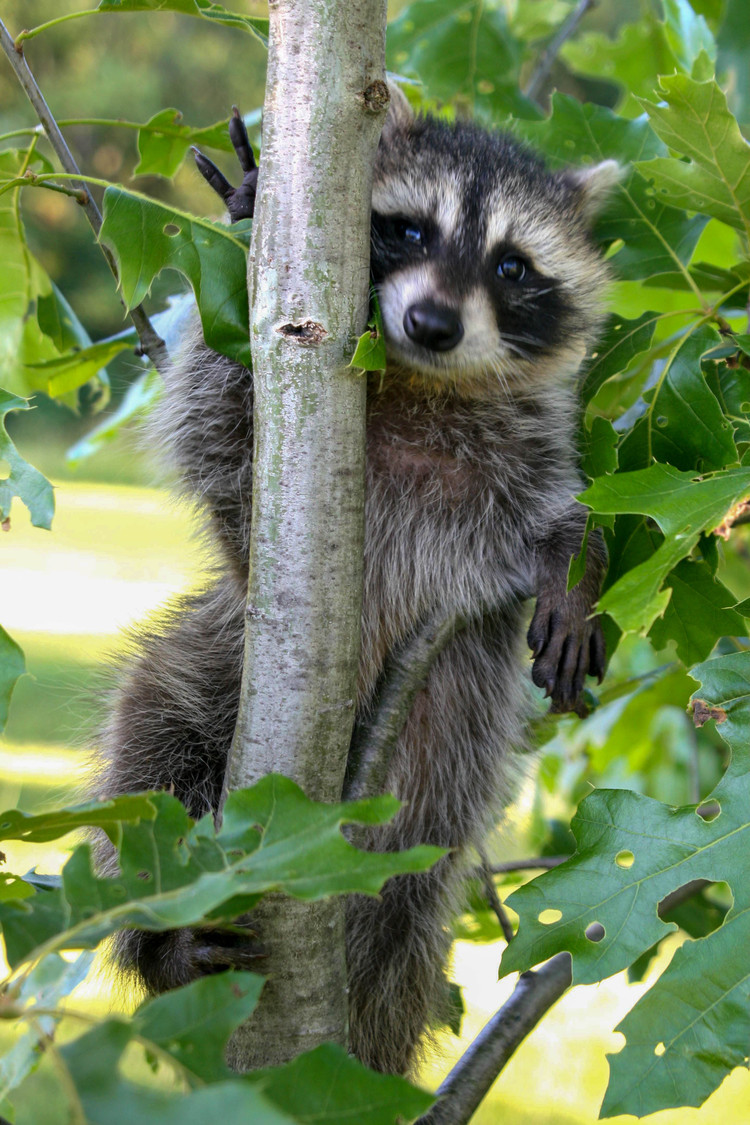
(490, 287)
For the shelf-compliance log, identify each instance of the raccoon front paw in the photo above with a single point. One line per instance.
(172, 958)
(239, 201)
(566, 645)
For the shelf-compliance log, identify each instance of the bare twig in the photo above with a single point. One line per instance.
(374, 739)
(493, 898)
(476, 1070)
(545, 62)
(152, 344)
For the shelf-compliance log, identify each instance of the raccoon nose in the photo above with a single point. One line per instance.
(433, 326)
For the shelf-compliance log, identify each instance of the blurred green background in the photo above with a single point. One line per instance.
(120, 547)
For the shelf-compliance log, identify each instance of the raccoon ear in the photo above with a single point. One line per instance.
(593, 185)
(400, 114)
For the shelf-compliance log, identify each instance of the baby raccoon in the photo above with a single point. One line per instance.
(490, 288)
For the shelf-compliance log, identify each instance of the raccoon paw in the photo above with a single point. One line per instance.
(566, 646)
(240, 201)
(172, 958)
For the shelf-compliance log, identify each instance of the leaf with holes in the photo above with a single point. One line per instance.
(656, 238)
(601, 905)
(147, 237)
(694, 120)
(692, 1027)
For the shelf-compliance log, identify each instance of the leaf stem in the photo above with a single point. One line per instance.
(151, 343)
(31, 32)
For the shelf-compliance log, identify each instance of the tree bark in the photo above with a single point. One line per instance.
(308, 282)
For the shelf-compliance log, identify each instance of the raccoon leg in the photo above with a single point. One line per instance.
(170, 728)
(454, 767)
(567, 643)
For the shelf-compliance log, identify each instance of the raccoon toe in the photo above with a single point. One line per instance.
(565, 649)
(239, 201)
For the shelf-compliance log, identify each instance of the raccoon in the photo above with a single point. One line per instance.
(490, 287)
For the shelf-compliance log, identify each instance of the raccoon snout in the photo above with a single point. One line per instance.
(433, 326)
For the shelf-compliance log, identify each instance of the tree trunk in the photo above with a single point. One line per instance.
(308, 283)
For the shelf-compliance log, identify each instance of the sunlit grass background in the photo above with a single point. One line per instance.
(116, 554)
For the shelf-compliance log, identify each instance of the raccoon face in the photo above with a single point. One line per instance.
(482, 259)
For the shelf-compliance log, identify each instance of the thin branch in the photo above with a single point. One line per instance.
(474, 1073)
(152, 344)
(493, 898)
(536, 991)
(405, 674)
(546, 60)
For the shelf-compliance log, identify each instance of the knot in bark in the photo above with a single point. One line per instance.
(307, 332)
(375, 97)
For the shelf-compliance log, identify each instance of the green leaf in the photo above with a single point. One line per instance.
(687, 34)
(40, 828)
(698, 613)
(684, 424)
(194, 1023)
(67, 372)
(23, 480)
(599, 454)
(328, 1085)
(46, 984)
(147, 237)
(173, 872)
(204, 9)
(463, 52)
(621, 341)
(656, 238)
(107, 1097)
(684, 1035)
(163, 142)
(694, 120)
(12, 667)
(369, 354)
(23, 283)
(683, 506)
(632, 60)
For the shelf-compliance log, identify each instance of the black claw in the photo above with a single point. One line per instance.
(241, 142)
(597, 653)
(212, 175)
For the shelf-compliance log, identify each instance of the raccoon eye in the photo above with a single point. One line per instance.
(512, 268)
(409, 232)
